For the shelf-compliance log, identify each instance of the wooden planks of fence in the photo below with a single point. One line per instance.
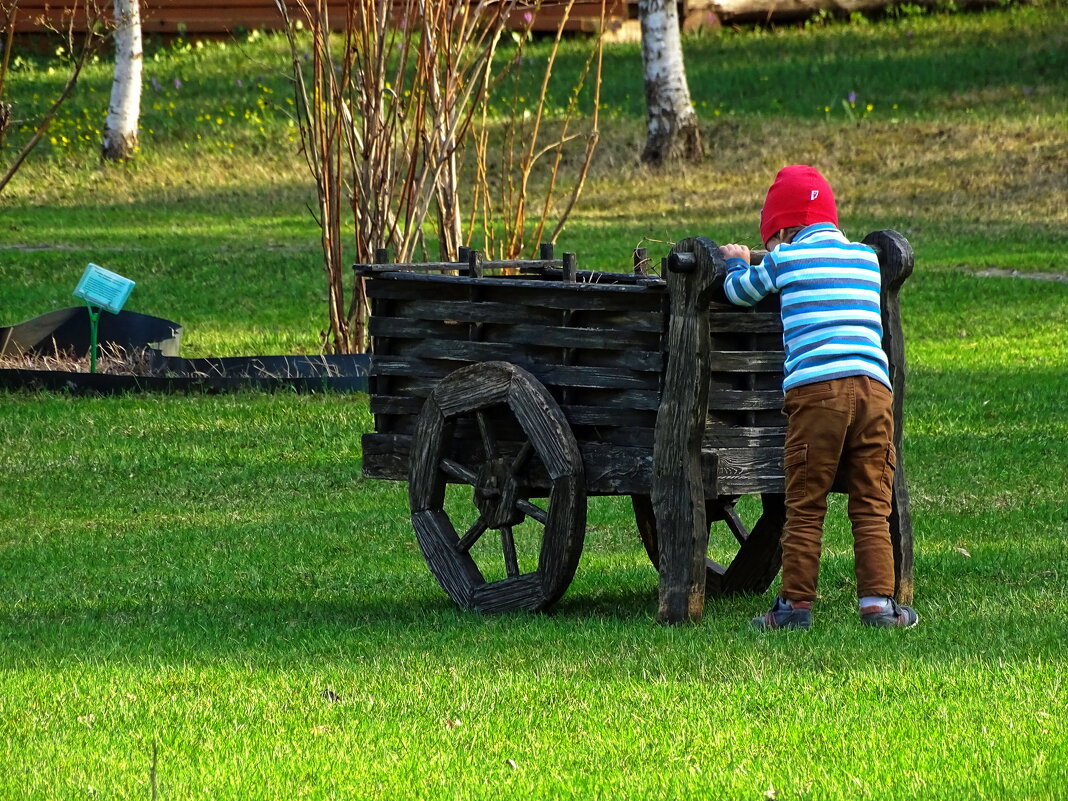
(205, 18)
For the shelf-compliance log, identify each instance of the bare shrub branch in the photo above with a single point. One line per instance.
(82, 30)
(387, 110)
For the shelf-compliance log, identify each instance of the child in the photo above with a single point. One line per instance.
(838, 393)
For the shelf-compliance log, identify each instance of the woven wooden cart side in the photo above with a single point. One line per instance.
(746, 428)
(744, 422)
(596, 347)
(450, 352)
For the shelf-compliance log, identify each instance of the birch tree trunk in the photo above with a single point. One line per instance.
(673, 134)
(124, 110)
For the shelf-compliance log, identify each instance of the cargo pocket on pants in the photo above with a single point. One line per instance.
(795, 469)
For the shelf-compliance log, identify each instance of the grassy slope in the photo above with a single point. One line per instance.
(964, 151)
(193, 573)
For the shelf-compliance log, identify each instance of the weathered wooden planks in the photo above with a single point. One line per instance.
(747, 470)
(896, 261)
(536, 352)
(595, 346)
(723, 321)
(745, 395)
(745, 400)
(632, 300)
(549, 374)
(745, 361)
(678, 491)
(525, 334)
(205, 17)
(614, 469)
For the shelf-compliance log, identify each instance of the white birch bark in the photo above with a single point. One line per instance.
(124, 110)
(673, 134)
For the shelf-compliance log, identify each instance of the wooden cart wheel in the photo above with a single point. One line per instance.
(759, 553)
(512, 444)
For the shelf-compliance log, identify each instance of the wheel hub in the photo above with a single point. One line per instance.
(496, 493)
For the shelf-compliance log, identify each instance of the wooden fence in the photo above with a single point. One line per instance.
(206, 18)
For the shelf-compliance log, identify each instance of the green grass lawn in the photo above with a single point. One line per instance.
(201, 598)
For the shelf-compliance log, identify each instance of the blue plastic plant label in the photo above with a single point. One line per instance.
(103, 288)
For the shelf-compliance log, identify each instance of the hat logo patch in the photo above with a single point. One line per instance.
(815, 194)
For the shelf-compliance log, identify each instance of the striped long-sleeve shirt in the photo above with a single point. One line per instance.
(829, 290)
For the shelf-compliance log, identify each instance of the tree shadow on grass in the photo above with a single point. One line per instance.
(202, 624)
(290, 630)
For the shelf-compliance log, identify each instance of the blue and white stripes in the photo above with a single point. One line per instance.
(829, 289)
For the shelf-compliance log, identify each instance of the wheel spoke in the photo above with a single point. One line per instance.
(521, 458)
(527, 508)
(735, 524)
(458, 471)
(488, 442)
(471, 537)
(511, 561)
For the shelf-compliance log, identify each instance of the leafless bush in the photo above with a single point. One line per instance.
(386, 112)
(524, 145)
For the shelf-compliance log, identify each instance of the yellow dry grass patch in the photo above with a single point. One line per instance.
(962, 173)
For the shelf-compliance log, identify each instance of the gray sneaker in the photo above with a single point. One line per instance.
(895, 616)
(798, 615)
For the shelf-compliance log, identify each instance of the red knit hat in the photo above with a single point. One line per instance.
(799, 196)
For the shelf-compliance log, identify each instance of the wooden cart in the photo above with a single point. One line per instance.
(505, 400)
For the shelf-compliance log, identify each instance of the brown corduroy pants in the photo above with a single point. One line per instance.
(845, 425)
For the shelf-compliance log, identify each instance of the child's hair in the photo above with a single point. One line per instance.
(798, 196)
(787, 234)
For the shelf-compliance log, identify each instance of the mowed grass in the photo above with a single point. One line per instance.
(200, 597)
(194, 575)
